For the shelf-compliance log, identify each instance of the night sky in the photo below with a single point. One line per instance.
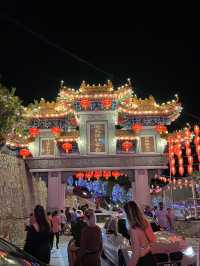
(162, 58)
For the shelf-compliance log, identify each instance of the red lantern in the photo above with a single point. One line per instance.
(106, 174)
(199, 157)
(161, 128)
(190, 169)
(67, 146)
(198, 149)
(181, 170)
(180, 161)
(173, 170)
(34, 131)
(172, 162)
(137, 127)
(190, 160)
(196, 140)
(85, 103)
(188, 151)
(196, 130)
(179, 154)
(89, 175)
(127, 145)
(187, 143)
(187, 133)
(170, 140)
(97, 174)
(107, 103)
(79, 175)
(116, 174)
(55, 130)
(179, 136)
(24, 153)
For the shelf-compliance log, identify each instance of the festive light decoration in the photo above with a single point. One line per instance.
(196, 140)
(107, 103)
(180, 161)
(161, 128)
(55, 130)
(173, 170)
(127, 145)
(67, 146)
(106, 174)
(137, 127)
(190, 160)
(85, 103)
(34, 131)
(24, 153)
(187, 143)
(187, 133)
(188, 151)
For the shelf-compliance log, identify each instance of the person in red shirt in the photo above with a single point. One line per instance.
(56, 227)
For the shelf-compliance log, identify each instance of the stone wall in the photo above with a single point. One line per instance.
(18, 195)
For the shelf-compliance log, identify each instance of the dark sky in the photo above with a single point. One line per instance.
(162, 57)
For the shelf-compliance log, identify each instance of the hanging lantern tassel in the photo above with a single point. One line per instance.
(67, 146)
(24, 153)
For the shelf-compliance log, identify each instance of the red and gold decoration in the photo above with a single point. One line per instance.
(24, 153)
(97, 174)
(88, 175)
(80, 175)
(67, 147)
(34, 131)
(127, 145)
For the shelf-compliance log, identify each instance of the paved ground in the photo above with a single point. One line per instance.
(59, 256)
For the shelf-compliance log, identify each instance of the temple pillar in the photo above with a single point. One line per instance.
(141, 188)
(56, 191)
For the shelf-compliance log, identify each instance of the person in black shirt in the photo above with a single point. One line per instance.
(38, 236)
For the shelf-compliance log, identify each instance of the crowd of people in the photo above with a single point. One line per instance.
(86, 247)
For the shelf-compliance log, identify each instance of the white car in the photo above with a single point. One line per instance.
(168, 250)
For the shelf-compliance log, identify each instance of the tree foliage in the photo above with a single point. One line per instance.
(10, 111)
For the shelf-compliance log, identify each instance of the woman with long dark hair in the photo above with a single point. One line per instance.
(141, 235)
(38, 236)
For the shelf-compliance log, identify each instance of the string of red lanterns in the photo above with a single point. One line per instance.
(160, 128)
(137, 127)
(106, 103)
(97, 174)
(55, 130)
(180, 141)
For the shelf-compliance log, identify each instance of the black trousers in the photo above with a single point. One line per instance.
(57, 238)
(148, 259)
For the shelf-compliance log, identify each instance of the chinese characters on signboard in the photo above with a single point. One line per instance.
(147, 144)
(47, 147)
(97, 133)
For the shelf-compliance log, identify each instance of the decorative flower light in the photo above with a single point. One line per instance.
(67, 146)
(34, 131)
(106, 103)
(137, 127)
(24, 153)
(127, 145)
(196, 130)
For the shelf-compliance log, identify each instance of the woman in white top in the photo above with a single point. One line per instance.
(141, 235)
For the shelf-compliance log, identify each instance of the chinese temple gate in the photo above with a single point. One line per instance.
(96, 127)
